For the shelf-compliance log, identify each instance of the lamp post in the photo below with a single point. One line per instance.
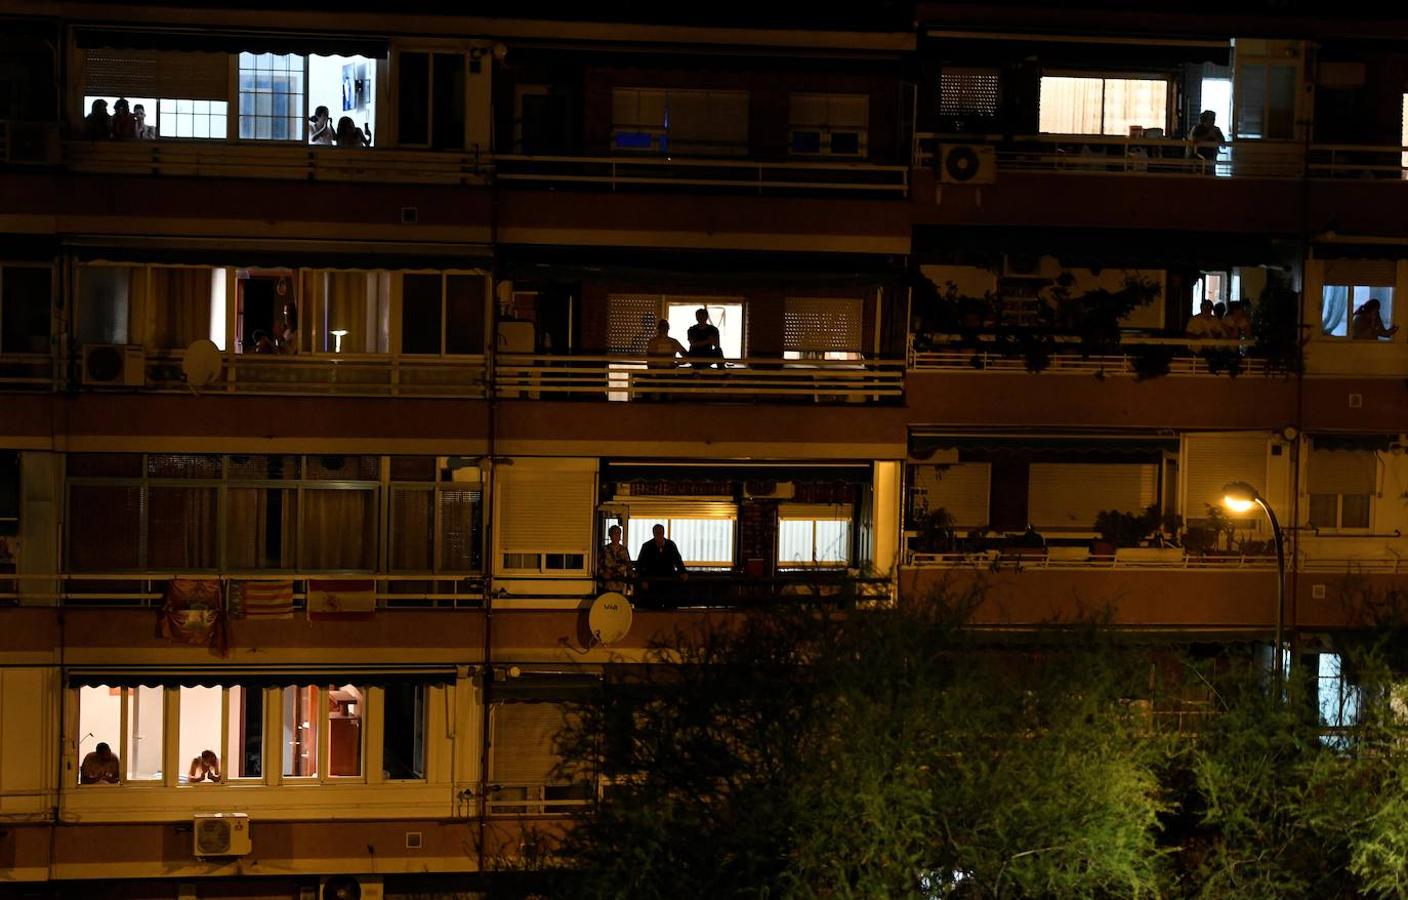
(1240, 497)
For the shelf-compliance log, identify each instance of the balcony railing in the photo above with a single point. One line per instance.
(1101, 154)
(294, 162)
(1145, 559)
(1191, 357)
(346, 374)
(27, 372)
(534, 376)
(404, 590)
(619, 173)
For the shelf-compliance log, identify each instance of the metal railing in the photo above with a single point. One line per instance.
(1172, 559)
(403, 590)
(618, 172)
(27, 372)
(524, 799)
(346, 374)
(1088, 153)
(1190, 357)
(288, 161)
(532, 376)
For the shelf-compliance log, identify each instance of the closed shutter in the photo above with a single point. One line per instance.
(708, 119)
(960, 489)
(1212, 461)
(157, 74)
(680, 508)
(524, 742)
(1342, 472)
(634, 108)
(1070, 495)
(821, 324)
(631, 320)
(545, 512)
(829, 110)
(969, 92)
(1369, 272)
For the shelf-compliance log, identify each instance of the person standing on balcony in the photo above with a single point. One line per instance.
(1206, 137)
(1369, 324)
(143, 131)
(658, 563)
(614, 566)
(97, 125)
(100, 767)
(704, 339)
(321, 131)
(1204, 324)
(124, 124)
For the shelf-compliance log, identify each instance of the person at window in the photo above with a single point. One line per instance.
(321, 130)
(124, 124)
(144, 132)
(1206, 137)
(1369, 324)
(100, 767)
(1238, 322)
(1204, 324)
(663, 349)
(614, 566)
(349, 135)
(263, 343)
(704, 338)
(205, 767)
(97, 125)
(657, 564)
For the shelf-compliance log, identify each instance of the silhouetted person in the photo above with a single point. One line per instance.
(1369, 324)
(1207, 138)
(97, 125)
(100, 767)
(349, 135)
(142, 131)
(658, 559)
(704, 338)
(124, 124)
(321, 130)
(1204, 324)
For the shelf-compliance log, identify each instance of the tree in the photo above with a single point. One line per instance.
(881, 753)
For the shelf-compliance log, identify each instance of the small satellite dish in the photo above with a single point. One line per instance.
(609, 618)
(202, 363)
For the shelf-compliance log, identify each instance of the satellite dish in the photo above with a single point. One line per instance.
(609, 618)
(202, 363)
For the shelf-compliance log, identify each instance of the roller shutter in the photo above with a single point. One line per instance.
(1370, 272)
(1212, 461)
(524, 742)
(822, 324)
(961, 489)
(1068, 496)
(157, 74)
(545, 512)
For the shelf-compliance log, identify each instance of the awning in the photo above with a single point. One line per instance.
(1054, 447)
(255, 676)
(712, 472)
(207, 41)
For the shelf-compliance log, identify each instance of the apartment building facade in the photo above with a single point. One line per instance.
(324, 381)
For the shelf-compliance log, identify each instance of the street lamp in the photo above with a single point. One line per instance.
(1240, 497)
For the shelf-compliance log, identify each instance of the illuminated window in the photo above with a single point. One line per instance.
(1341, 484)
(130, 721)
(272, 96)
(220, 734)
(322, 731)
(1346, 310)
(1083, 105)
(813, 542)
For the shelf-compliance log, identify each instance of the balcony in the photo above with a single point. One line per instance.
(27, 372)
(1139, 357)
(734, 176)
(405, 590)
(287, 162)
(635, 379)
(344, 375)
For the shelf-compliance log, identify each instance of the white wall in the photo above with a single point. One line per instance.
(325, 89)
(200, 726)
(28, 740)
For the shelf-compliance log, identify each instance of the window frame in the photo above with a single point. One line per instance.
(1103, 77)
(825, 130)
(431, 50)
(1350, 306)
(814, 564)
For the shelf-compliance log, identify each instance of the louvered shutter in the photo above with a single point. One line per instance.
(1368, 272)
(545, 512)
(1070, 495)
(645, 508)
(821, 324)
(969, 92)
(157, 74)
(524, 742)
(1212, 461)
(1342, 472)
(960, 489)
(631, 320)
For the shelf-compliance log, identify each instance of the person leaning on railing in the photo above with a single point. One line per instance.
(1207, 139)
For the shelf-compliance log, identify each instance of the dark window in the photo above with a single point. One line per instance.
(420, 314)
(464, 314)
(9, 492)
(447, 91)
(413, 98)
(845, 143)
(545, 124)
(403, 735)
(24, 310)
(105, 527)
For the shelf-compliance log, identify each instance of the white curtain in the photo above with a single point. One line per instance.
(1070, 105)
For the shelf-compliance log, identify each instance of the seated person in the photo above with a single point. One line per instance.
(97, 125)
(703, 337)
(1204, 324)
(100, 767)
(662, 349)
(1206, 137)
(1031, 539)
(205, 767)
(1369, 324)
(1238, 321)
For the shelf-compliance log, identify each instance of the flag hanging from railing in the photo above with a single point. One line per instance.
(194, 613)
(341, 598)
(262, 600)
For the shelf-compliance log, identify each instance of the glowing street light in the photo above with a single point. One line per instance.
(1240, 497)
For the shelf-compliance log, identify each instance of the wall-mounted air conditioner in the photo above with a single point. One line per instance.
(351, 887)
(221, 834)
(114, 365)
(967, 164)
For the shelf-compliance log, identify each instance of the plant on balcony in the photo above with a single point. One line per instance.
(1150, 360)
(1127, 529)
(934, 531)
(1276, 329)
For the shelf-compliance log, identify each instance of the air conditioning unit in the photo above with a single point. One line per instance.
(114, 365)
(221, 834)
(351, 887)
(967, 164)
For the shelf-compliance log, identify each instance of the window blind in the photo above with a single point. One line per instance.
(524, 747)
(1071, 495)
(960, 489)
(1371, 272)
(1212, 461)
(543, 512)
(822, 323)
(1342, 472)
(680, 508)
(631, 322)
(154, 73)
(969, 92)
(829, 110)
